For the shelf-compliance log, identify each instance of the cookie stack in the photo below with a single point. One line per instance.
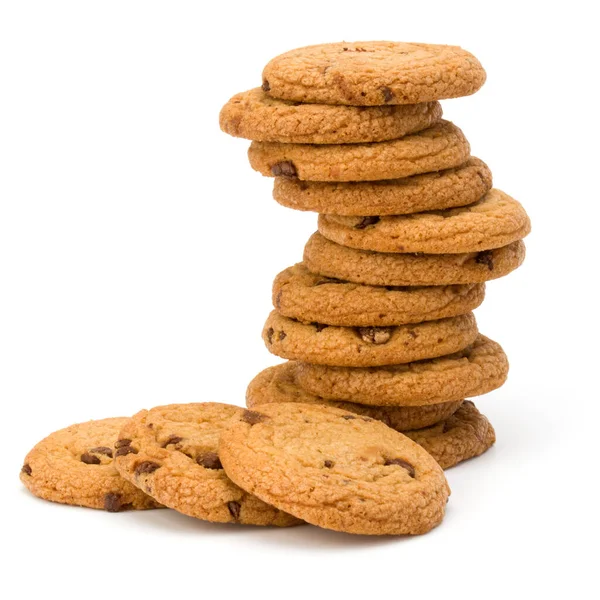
(377, 319)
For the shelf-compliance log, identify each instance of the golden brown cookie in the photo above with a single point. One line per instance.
(257, 116)
(373, 73)
(476, 370)
(367, 346)
(492, 222)
(172, 453)
(279, 384)
(458, 186)
(329, 259)
(75, 466)
(300, 294)
(441, 146)
(465, 434)
(335, 469)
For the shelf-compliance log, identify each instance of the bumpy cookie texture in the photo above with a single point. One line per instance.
(449, 188)
(300, 294)
(335, 469)
(172, 453)
(492, 222)
(367, 346)
(279, 384)
(467, 433)
(257, 116)
(476, 370)
(441, 146)
(75, 466)
(329, 259)
(373, 73)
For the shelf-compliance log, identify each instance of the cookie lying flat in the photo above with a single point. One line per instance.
(329, 259)
(279, 384)
(441, 146)
(476, 370)
(467, 433)
(172, 452)
(367, 346)
(257, 116)
(75, 466)
(372, 73)
(492, 222)
(458, 186)
(300, 294)
(335, 469)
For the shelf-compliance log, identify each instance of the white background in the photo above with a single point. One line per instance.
(137, 251)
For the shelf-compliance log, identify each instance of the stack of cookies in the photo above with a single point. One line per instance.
(377, 319)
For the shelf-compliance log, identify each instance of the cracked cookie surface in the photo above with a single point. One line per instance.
(441, 146)
(335, 469)
(367, 346)
(373, 73)
(172, 453)
(255, 115)
(75, 466)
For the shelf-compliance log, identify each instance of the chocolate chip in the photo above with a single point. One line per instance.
(285, 168)
(328, 464)
(121, 443)
(270, 333)
(319, 327)
(124, 450)
(172, 439)
(234, 509)
(282, 335)
(146, 467)
(112, 503)
(366, 221)
(388, 95)
(413, 334)
(375, 335)
(89, 459)
(348, 417)
(265, 86)
(26, 469)
(401, 463)
(102, 450)
(210, 460)
(252, 417)
(485, 258)
(278, 299)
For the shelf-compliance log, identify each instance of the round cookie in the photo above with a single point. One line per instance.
(329, 259)
(373, 73)
(300, 294)
(75, 466)
(492, 222)
(335, 469)
(441, 146)
(467, 433)
(279, 384)
(257, 116)
(172, 453)
(457, 186)
(476, 370)
(367, 346)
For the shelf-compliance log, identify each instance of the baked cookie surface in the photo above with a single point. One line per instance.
(439, 190)
(172, 452)
(441, 146)
(476, 370)
(335, 469)
(255, 115)
(75, 466)
(329, 259)
(279, 384)
(367, 346)
(373, 73)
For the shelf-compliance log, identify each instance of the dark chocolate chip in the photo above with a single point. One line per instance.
(234, 509)
(278, 299)
(319, 327)
(252, 417)
(375, 335)
(89, 459)
(270, 333)
(210, 460)
(172, 439)
(265, 86)
(485, 258)
(124, 450)
(285, 168)
(413, 334)
(388, 95)
(121, 443)
(401, 463)
(112, 503)
(102, 450)
(328, 464)
(366, 221)
(26, 469)
(146, 467)
(282, 335)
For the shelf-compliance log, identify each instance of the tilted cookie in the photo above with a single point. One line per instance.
(467, 433)
(75, 466)
(257, 116)
(367, 346)
(457, 186)
(335, 469)
(373, 73)
(329, 259)
(300, 294)
(492, 222)
(476, 370)
(441, 146)
(279, 384)
(172, 453)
